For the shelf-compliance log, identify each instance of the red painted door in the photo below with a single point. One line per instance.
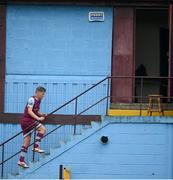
(122, 89)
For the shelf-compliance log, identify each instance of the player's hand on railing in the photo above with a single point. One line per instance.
(41, 118)
(44, 115)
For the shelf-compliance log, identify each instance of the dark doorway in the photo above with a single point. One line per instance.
(151, 50)
(164, 55)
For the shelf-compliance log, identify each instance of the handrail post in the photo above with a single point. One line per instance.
(2, 165)
(33, 152)
(60, 172)
(76, 104)
(107, 100)
(169, 90)
(141, 95)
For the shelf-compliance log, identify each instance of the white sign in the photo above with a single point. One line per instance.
(96, 16)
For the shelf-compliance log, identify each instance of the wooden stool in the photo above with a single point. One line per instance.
(154, 99)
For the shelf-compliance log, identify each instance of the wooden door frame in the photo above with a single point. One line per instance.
(134, 39)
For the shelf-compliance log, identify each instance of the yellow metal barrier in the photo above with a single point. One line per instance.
(66, 174)
(129, 112)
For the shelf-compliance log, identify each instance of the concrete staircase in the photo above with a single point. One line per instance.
(61, 148)
(137, 138)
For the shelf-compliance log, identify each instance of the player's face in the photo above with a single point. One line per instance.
(40, 94)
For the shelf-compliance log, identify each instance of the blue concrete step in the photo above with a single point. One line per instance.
(61, 147)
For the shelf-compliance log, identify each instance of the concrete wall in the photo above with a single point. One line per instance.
(137, 148)
(13, 146)
(55, 46)
(134, 151)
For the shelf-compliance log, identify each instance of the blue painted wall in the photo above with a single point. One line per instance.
(58, 47)
(12, 147)
(58, 40)
(134, 151)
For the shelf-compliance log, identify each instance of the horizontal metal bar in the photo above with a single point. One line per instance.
(50, 132)
(58, 109)
(141, 77)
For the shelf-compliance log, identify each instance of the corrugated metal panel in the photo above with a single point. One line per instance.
(59, 91)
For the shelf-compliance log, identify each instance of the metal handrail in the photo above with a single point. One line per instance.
(109, 77)
(56, 110)
(75, 98)
(76, 115)
(56, 128)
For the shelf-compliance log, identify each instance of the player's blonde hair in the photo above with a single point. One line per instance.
(40, 89)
